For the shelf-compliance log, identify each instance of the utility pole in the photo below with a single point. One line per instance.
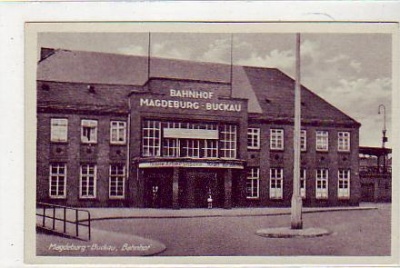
(296, 214)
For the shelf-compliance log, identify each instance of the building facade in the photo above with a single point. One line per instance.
(128, 131)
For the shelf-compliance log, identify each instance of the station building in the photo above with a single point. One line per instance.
(129, 131)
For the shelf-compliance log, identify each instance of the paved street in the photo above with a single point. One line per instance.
(354, 233)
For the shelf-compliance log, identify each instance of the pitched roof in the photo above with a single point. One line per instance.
(270, 92)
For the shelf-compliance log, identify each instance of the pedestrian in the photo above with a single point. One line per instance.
(209, 201)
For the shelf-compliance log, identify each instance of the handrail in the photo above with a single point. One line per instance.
(77, 222)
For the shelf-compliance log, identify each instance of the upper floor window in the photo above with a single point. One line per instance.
(189, 139)
(117, 132)
(58, 181)
(210, 148)
(276, 183)
(322, 141)
(343, 141)
(151, 138)
(59, 129)
(253, 138)
(253, 183)
(303, 140)
(171, 147)
(344, 183)
(89, 131)
(228, 141)
(276, 139)
(191, 148)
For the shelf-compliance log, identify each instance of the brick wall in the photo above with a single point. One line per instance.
(74, 153)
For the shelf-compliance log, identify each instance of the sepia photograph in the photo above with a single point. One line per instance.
(212, 141)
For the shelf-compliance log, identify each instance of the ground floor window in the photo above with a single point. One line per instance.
(344, 183)
(58, 180)
(253, 183)
(88, 181)
(303, 183)
(117, 181)
(276, 183)
(321, 191)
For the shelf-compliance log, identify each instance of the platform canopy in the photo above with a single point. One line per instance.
(377, 151)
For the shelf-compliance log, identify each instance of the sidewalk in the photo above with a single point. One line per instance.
(122, 213)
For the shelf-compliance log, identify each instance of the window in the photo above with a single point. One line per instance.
(58, 181)
(117, 181)
(118, 132)
(171, 147)
(344, 183)
(303, 184)
(211, 148)
(89, 131)
(151, 138)
(58, 130)
(276, 183)
(322, 140)
(253, 183)
(228, 141)
(191, 148)
(343, 141)
(88, 181)
(303, 140)
(321, 184)
(276, 142)
(253, 138)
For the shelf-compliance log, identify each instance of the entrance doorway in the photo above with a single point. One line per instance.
(158, 188)
(195, 187)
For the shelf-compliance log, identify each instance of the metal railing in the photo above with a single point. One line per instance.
(64, 220)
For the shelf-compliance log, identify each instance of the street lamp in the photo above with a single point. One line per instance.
(384, 138)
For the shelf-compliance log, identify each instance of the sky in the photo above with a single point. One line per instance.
(351, 71)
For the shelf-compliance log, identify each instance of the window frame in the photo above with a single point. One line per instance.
(303, 177)
(55, 130)
(303, 140)
(58, 176)
(344, 194)
(344, 142)
(209, 150)
(253, 178)
(117, 177)
(191, 148)
(276, 194)
(93, 176)
(322, 140)
(322, 192)
(118, 129)
(151, 145)
(228, 141)
(253, 138)
(87, 123)
(277, 135)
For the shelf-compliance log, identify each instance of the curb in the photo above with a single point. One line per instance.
(229, 215)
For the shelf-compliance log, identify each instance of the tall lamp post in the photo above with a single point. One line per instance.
(296, 202)
(384, 138)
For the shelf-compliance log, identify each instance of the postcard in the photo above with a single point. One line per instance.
(211, 143)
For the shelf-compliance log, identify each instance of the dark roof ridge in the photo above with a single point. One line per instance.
(161, 58)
